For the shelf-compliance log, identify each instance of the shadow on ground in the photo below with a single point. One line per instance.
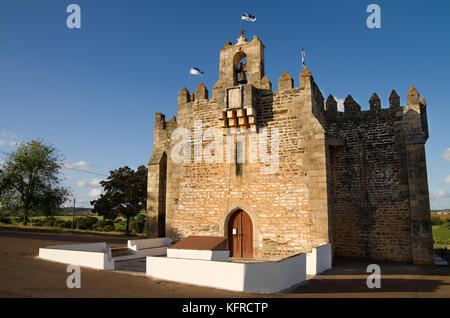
(350, 276)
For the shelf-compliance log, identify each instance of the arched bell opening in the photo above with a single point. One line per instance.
(240, 68)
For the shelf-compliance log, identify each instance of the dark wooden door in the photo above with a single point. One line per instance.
(240, 235)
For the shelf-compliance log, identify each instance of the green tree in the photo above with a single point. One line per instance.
(30, 180)
(125, 194)
(104, 206)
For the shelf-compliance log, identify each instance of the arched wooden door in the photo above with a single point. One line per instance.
(240, 235)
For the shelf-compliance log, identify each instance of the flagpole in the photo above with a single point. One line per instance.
(240, 31)
(189, 79)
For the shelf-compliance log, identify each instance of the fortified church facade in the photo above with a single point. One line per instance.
(356, 179)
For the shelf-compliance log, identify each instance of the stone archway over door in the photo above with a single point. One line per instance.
(240, 235)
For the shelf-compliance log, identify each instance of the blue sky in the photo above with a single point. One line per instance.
(93, 92)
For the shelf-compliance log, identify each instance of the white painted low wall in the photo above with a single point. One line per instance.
(97, 255)
(92, 247)
(146, 247)
(318, 260)
(207, 255)
(269, 277)
(156, 251)
(276, 276)
(93, 255)
(149, 243)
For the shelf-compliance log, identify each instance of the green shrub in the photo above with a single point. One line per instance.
(86, 222)
(59, 223)
(139, 223)
(435, 220)
(108, 228)
(17, 220)
(104, 223)
(49, 222)
(36, 222)
(63, 224)
(5, 220)
(119, 227)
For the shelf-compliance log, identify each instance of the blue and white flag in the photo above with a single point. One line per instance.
(196, 71)
(303, 57)
(248, 17)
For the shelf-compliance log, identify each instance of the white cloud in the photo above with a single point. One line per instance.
(8, 139)
(94, 193)
(85, 202)
(93, 183)
(447, 180)
(439, 200)
(79, 165)
(340, 104)
(440, 194)
(446, 154)
(84, 199)
(2, 163)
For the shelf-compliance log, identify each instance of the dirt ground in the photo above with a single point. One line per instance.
(22, 274)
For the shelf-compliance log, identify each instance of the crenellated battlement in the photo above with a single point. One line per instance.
(353, 110)
(412, 118)
(201, 93)
(162, 124)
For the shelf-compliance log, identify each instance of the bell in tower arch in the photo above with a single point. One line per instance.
(242, 73)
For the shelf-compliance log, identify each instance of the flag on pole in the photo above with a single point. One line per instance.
(196, 71)
(303, 58)
(248, 17)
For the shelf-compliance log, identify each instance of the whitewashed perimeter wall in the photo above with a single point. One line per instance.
(94, 255)
(267, 277)
(146, 247)
(207, 255)
(318, 260)
(137, 245)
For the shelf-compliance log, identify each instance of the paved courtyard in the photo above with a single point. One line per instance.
(22, 274)
(132, 265)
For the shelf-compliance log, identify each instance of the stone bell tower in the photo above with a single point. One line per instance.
(230, 62)
(241, 75)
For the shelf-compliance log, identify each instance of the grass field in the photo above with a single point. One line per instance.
(69, 218)
(47, 229)
(441, 236)
(63, 224)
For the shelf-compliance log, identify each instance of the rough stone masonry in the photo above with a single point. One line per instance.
(355, 178)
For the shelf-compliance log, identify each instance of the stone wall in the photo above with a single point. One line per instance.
(375, 177)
